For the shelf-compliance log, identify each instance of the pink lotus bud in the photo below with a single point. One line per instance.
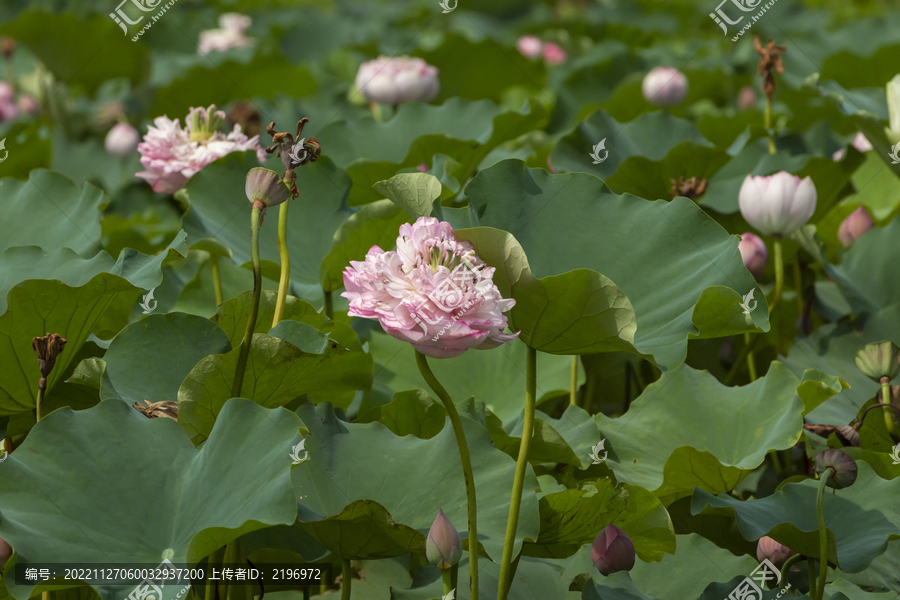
(746, 98)
(854, 226)
(776, 553)
(612, 551)
(7, 93)
(27, 104)
(423, 167)
(754, 253)
(443, 546)
(5, 551)
(398, 80)
(529, 46)
(861, 143)
(843, 468)
(665, 86)
(122, 139)
(778, 204)
(554, 54)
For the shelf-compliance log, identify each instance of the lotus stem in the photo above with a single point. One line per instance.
(768, 124)
(573, 387)
(519, 481)
(751, 364)
(779, 274)
(217, 279)
(811, 568)
(823, 535)
(39, 409)
(448, 583)
(254, 306)
(466, 461)
(329, 306)
(887, 398)
(787, 566)
(306, 593)
(285, 282)
(346, 578)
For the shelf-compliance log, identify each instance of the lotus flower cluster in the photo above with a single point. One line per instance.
(172, 155)
(229, 35)
(778, 204)
(531, 47)
(433, 292)
(398, 80)
(10, 108)
(665, 86)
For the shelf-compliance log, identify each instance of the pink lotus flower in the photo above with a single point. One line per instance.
(778, 204)
(554, 54)
(229, 35)
(529, 46)
(854, 226)
(172, 155)
(860, 142)
(432, 292)
(397, 80)
(754, 253)
(776, 553)
(665, 86)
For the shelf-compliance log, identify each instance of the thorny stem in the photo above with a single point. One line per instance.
(751, 364)
(285, 282)
(217, 279)
(573, 386)
(788, 564)
(823, 535)
(519, 481)
(346, 578)
(466, 461)
(887, 397)
(254, 306)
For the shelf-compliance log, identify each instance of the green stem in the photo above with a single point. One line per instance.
(285, 282)
(887, 398)
(776, 462)
(329, 306)
(768, 123)
(42, 390)
(751, 364)
(466, 461)
(519, 481)
(254, 306)
(735, 368)
(448, 583)
(779, 274)
(573, 386)
(217, 279)
(787, 566)
(823, 535)
(798, 284)
(377, 113)
(306, 593)
(811, 568)
(346, 578)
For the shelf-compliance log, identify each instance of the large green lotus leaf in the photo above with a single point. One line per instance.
(881, 574)
(81, 486)
(579, 430)
(843, 589)
(365, 461)
(579, 312)
(57, 40)
(653, 179)
(373, 151)
(620, 586)
(168, 346)
(50, 211)
(261, 75)
(651, 135)
(682, 272)
(198, 296)
(232, 315)
(277, 373)
(861, 519)
(679, 443)
(71, 304)
(378, 580)
(574, 517)
(362, 531)
(32, 146)
(220, 207)
(415, 193)
(878, 188)
(496, 377)
(412, 412)
(376, 224)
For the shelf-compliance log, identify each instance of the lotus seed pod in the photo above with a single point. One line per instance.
(879, 359)
(266, 185)
(843, 468)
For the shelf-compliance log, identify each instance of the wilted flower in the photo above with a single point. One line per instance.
(854, 226)
(433, 292)
(893, 102)
(778, 204)
(122, 139)
(754, 253)
(266, 185)
(229, 35)
(665, 86)
(47, 349)
(398, 80)
(443, 546)
(746, 98)
(172, 155)
(612, 551)
(776, 553)
(554, 54)
(879, 359)
(529, 46)
(842, 467)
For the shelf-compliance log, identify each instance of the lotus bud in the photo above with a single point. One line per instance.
(612, 551)
(854, 226)
(754, 253)
(554, 54)
(443, 546)
(861, 142)
(665, 86)
(879, 359)
(529, 46)
(267, 186)
(746, 98)
(5, 551)
(398, 80)
(843, 468)
(893, 101)
(122, 139)
(47, 349)
(28, 105)
(778, 204)
(776, 553)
